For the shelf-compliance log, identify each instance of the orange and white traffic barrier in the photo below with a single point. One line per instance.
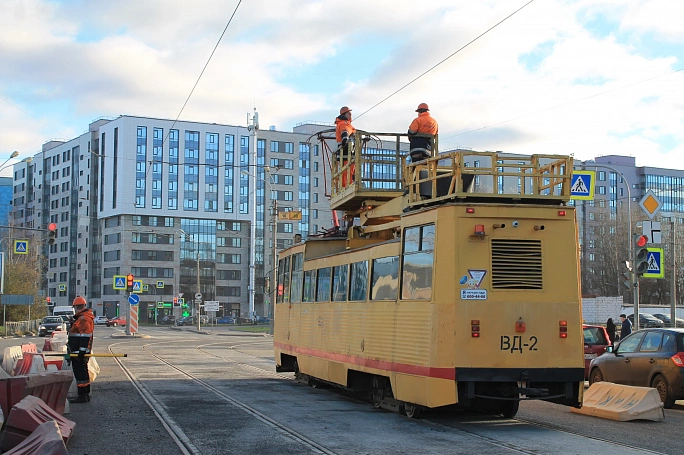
(622, 402)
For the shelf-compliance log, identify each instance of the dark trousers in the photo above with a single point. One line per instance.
(80, 368)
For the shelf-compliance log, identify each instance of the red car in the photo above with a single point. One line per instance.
(119, 320)
(595, 343)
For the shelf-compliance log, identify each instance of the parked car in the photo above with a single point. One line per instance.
(186, 320)
(168, 320)
(667, 321)
(645, 358)
(595, 343)
(263, 319)
(51, 324)
(225, 320)
(119, 320)
(647, 321)
(100, 320)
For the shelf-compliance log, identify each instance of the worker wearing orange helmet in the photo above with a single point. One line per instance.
(344, 132)
(81, 342)
(422, 132)
(343, 127)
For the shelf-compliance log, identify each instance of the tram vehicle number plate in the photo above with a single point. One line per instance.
(517, 343)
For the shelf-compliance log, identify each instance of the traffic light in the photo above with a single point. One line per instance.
(640, 255)
(52, 233)
(129, 282)
(47, 300)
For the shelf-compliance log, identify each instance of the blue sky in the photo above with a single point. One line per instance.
(579, 77)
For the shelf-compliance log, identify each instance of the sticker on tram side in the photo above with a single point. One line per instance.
(473, 294)
(515, 343)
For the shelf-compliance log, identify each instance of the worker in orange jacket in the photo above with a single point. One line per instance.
(343, 134)
(81, 342)
(422, 132)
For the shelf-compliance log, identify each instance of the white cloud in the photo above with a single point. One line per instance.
(68, 63)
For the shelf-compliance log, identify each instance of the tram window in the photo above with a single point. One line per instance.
(416, 277)
(297, 275)
(385, 278)
(309, 286)
(339, 289)
(358, 282)
(323, 285)
(284, 280)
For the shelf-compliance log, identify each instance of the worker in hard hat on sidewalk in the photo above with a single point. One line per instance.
(422, 132)
(344, 132)
(81, 343)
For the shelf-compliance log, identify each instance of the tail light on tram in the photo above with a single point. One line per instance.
(678, 359)
(475, 328)
(562, 329)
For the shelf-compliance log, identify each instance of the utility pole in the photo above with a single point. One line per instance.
(274, 275)
(199, 290)
(254, 127)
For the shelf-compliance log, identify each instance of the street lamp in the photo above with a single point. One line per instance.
(12, 156)
(196, 242)
(633, 277)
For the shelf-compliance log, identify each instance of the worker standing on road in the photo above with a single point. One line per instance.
(422, 132)
(344, 132)
(81, 343)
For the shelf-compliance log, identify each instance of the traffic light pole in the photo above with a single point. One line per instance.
(635, 281)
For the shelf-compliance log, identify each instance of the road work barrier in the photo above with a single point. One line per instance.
(25, 418)
(621, 402)
(45, 440)
(51, 387)
(10, 357)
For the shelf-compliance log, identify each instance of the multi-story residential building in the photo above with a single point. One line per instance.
(171, 203)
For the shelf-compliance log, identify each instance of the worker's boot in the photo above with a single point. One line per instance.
(85, 398)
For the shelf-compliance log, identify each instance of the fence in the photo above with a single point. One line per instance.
(22, 327)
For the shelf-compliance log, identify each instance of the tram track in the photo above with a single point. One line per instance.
(186, 445)
(176, 432)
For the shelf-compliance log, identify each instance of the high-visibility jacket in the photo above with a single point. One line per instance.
(81, 332)
(343, 129)
(423, 124)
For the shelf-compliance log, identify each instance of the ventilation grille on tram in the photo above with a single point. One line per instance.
(516, 264)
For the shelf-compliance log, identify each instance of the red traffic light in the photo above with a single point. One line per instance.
(175, 300)
(52, 227)
(642, 240)
(129, 279)
(47, 300)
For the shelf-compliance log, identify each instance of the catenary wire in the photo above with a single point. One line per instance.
(444, 60)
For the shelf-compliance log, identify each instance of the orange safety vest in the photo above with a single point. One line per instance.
(424, 124)
(81, 332)
(343, 129)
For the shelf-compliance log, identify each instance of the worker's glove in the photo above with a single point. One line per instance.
(81, 355)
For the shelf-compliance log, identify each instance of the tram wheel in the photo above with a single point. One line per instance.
(295, 367)
(509, 408)
(412, 411)
(376, 393)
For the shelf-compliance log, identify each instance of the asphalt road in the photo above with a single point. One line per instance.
(180, 392)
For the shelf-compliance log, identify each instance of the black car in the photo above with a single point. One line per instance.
(187, 320)
(668, 322)
(51, 324)
(645, 358)
(168, 320)
(647, 321)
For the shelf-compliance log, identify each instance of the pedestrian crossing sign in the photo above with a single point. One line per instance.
(655, 263)
(582, 185)
(119, 283)
(138, 286)
(21, 247)
(62, 288)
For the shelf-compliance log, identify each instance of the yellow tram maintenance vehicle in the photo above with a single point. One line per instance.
(456, 284)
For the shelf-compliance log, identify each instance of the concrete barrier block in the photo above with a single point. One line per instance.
(10, 357)
(26, 416)
(52, 388)
(45, 440)
(622, 402)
